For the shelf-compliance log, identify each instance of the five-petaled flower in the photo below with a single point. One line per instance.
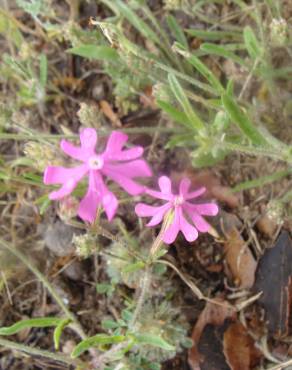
(178, 210)
(95, 166)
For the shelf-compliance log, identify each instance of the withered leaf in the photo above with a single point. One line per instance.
(214, 315)
(239, 258)
(210, 347)
(239, 348)
(273, 278)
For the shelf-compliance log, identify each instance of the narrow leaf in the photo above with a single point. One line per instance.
(177, 31)
(43, 70)
(193, 119)
(237, 115)
(206, 72)
(132, 267)
(98, 52)
(133, 19)
(99, 339)
(58, 331)
(154, 340)
(214, 35)
(42, 322)
(252, 45)
(222, 52)
(175, 114)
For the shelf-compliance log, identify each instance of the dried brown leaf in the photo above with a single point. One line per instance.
(239, 348)
(213, 314)
(107, 110)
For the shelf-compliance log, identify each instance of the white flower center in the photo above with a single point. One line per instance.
(178, 200)
(96, 162)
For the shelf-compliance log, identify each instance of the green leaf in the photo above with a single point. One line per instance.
(154, 340)
(110, 324)
(43, 70)
(177, 31)
(97, 52)
(175, 114)
(214, 35)
(132, 267)
(237, 115)
(252, 45)
(222, 52)
(8, 27)
(120, 7)
(42, 322)
(97, 340)
(58, 331)
(206, 72)
(193, 121)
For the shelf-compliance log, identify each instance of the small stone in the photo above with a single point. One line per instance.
(58, 239)
(68, 347)
(266, 226)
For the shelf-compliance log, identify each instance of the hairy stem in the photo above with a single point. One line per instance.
(40, 352)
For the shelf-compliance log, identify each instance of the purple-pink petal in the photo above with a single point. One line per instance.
(201, 224)
(60, 175)
(171, 232)
(73, 151)
(144, 210)
(184, 187)
(195, 194)
(164, 184)
(189, 231)
(115, 143)
(110, 204)
(65, 190)
(207, 209)
(88, 139)
(158, 217)
(123, 174)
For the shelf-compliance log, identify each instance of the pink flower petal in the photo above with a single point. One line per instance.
(88, 139)
(189, 231)
(207, 209)
(123, 174)
(115, 143)
(158, 217)
(110, 204)
(60, 175)
(89, 204)
(144, 210)
(164, 184)
(184, 187)
(65, 190)
(158, 194)
(200, 223)
(73, 151)
(125, 155)
(171, 232)
(195, 194)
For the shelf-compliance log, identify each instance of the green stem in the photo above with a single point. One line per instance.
(258, 151)
(40, 352)
(102, 132)
(263, 180)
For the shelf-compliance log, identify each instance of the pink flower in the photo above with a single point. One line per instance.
(186, 215)
(95, 166)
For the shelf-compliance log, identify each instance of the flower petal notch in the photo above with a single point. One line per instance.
(179, 213)
(120, 165)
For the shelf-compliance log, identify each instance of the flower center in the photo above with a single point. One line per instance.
(178, 200)
(96, 162)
